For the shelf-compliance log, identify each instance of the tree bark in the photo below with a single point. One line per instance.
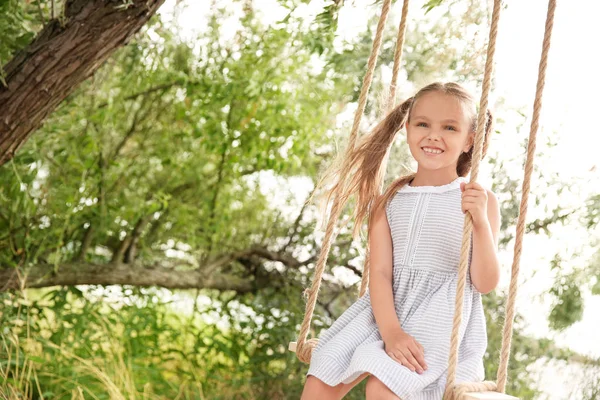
(63, 55)
(208, 276)
(123, 274)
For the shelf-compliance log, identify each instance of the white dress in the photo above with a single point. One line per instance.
(426, 224)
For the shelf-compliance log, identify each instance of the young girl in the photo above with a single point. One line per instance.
(398, 333)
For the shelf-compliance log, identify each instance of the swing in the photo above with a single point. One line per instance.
(486, 390)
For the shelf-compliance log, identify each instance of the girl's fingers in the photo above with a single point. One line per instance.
(472, 202)
(414, 361)
(471, 194)
(473, 185)
(402, 361)
(412, 357)
(393, 357)
(419, 355)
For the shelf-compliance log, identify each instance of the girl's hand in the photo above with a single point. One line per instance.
(474, 200)
(404, 349)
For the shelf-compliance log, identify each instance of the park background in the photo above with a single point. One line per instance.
(174, 178)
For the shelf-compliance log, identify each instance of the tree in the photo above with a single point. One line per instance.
(152, 174)
(68, 50)
(156, 150)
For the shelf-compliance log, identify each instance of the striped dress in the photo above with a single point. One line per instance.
(426, 224)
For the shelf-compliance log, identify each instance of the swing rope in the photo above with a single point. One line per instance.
(362, 100)
(453, 392)
(468, 224)
(537, 108)
(304, 347)
(398, 56)
(456, 392)
(391, 103)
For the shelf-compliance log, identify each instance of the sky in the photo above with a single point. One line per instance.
(569, 114)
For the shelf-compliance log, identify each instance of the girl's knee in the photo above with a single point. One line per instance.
(376, 390)
(314, 382)
(314, 388)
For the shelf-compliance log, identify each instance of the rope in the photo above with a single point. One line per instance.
(362, 100)
(304, 347)
(398, 56)
(468, 225)
(537, 108)
(391, 103)
(470, 387)
(500, 386)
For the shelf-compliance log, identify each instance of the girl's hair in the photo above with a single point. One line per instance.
(362, 169)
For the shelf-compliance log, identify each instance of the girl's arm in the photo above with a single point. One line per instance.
(485, 266)
(399, 345)
(380, 282)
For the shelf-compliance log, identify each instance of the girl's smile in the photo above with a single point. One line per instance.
(432, 151)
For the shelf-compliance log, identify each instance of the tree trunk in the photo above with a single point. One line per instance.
(63, 55)
(207, 276)
(124, 274)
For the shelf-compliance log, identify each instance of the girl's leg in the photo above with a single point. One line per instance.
(316, 389)
(376, 390)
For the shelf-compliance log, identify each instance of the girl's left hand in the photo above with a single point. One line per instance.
(474, 200)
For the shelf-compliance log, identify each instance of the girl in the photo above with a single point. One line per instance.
(398, 333)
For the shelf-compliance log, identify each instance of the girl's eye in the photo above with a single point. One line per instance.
(421, 124)
(450, 127)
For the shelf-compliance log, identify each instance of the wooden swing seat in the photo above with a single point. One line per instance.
(488, 396)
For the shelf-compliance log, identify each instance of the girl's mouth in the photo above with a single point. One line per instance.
(432, 151)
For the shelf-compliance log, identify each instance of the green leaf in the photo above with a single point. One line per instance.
(431, 4)
(36, 359)
(596, 287)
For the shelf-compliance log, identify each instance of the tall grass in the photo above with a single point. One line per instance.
(66, 344)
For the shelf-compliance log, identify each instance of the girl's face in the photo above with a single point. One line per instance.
(438, 131)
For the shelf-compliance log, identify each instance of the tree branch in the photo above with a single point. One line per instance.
(213, 203)
(41, 275)
(167, 276)
(207, 276)
(85, 243)
(543, 224)
(131, 251)
(62, 56)
(296, 225)
(130, 132)
(130, 240)
(152, 90)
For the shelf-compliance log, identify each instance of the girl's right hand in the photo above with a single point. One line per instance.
(404, 349)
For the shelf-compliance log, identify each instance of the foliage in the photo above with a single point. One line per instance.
(164, 134)
(139, 347)
(167, 153)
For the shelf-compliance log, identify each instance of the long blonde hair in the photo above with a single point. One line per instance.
(361, 170)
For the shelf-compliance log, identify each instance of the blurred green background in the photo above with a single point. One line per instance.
(175, 178)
